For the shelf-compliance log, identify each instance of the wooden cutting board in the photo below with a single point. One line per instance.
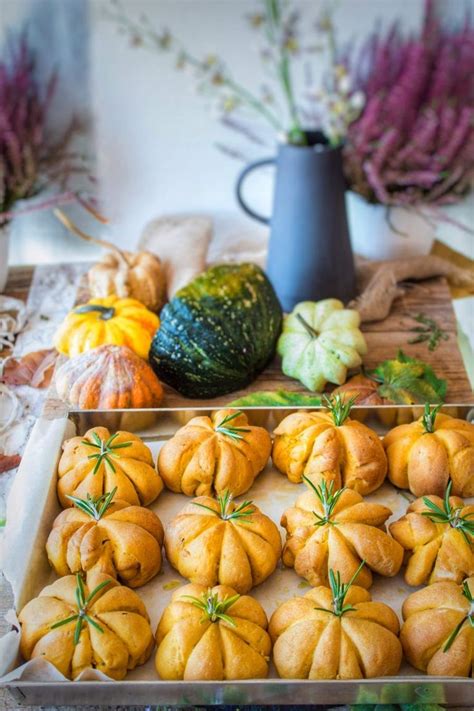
(384, 338)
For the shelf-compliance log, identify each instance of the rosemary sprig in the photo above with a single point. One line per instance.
(429, 417)
(469, 617)
(429, 331)
(339, 408)
(231, 431)
(82, 603)
(339, 591)
(450, 516)
(106, 450)
(213, 608)
(328, 498)
(242, 512)
(94, 506)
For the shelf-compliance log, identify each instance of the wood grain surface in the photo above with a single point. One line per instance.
(384, 338)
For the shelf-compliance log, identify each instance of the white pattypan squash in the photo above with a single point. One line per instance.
(319, 342)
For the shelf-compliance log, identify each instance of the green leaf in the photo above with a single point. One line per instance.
(339, 408)
(106, 450)
(213, 608)
(429, 332)
(277, 398)
(450, 516)
(242, 511)
(407, 381)
(234, 433)
(64, 622)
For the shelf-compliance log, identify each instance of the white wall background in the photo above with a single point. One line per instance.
(154, 137)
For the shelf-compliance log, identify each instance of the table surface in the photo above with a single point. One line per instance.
(384, 338)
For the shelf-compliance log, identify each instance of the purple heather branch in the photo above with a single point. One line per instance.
(415, 137)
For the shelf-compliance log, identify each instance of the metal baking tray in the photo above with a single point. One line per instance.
(273, 493)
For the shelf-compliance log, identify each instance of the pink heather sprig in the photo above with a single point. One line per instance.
(413, 144)
(29, 160)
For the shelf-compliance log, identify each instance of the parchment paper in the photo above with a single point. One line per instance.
(33, 500)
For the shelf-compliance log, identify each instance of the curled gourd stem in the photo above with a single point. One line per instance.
(75, 230)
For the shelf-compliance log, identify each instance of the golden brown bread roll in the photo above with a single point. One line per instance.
(212, 634)
(438, 632)
(99, 462)
(214, 542)
(311, 444)
(439, 536)
(338, 529)
(311, 641)
(424, 455)
(214, 454)
(107, 536)
(112, 635)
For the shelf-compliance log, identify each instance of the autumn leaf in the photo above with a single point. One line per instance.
(34, 369)
(9, 461)
(360, 388)
(400, 381)
(277, 398)
(407, 381)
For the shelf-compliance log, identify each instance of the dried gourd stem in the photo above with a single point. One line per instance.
(74, 229)
(308, 328)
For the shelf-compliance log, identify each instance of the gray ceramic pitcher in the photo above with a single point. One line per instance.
(309, 255)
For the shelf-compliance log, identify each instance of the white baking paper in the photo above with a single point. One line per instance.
(33, 500)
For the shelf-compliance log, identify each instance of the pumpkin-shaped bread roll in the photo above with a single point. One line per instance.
(212, 634)
(219, 541)
(337, 529)
(438, 535)
(424, 455)
(438, 632)
(214, 454)
(100, 461)
(108, 536)
(319, 636)
(329, 446)
(77, 625)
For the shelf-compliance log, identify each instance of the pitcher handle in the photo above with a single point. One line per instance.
(238, 189)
